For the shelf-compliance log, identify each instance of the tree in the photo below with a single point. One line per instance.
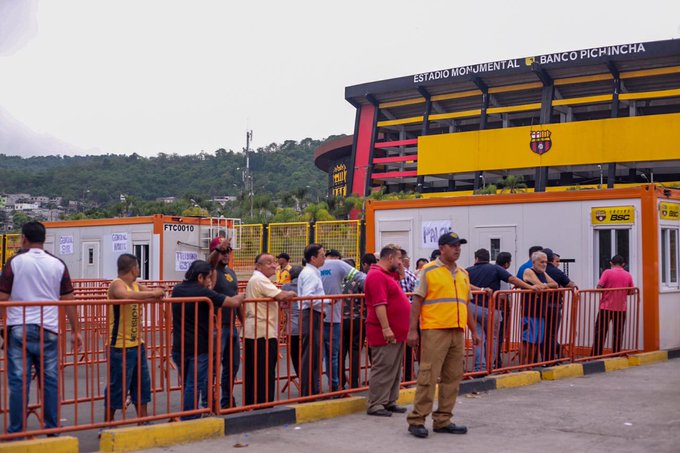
(513, 184)
(317, 212)
(19, 219)
(195, 211)
(489, 189)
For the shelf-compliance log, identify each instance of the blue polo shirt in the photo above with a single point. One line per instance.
(522, 268)
(487, 275)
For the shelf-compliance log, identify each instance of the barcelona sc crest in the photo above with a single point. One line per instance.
(540, 141)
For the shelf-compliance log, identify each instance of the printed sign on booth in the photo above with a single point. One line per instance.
(184, 259)
(613, 215)
(669, 211)
(431, 230)
(119, 242)
(66, 245)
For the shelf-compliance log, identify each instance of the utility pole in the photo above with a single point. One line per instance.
(248, 177)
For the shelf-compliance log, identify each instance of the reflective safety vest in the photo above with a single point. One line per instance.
(445, 304)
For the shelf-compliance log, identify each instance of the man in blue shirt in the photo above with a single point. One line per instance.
(487, 277)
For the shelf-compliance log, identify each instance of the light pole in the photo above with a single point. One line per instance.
(601, 177)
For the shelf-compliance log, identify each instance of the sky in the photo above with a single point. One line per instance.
(149, 76)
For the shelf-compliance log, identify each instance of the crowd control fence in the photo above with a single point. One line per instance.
(265, 354)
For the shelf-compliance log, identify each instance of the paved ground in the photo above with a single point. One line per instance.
(633, 410)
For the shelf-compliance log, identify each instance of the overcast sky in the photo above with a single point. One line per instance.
(147, 76)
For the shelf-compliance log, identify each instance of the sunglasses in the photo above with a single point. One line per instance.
(225, 251)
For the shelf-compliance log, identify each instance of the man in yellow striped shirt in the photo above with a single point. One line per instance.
(127, 356)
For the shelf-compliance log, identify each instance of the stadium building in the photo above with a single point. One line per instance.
(607, 116)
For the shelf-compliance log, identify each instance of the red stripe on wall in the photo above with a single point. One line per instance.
(389, 160)
(395, 174)
(363, 149)
(409, 142)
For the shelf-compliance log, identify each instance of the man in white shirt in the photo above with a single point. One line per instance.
(310, 284)
(34, 275)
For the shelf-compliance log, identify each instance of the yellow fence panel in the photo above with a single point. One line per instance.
(291, 238)
(250, 246)
(341, 235)
(12, 245)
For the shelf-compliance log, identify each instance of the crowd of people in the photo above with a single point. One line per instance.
(404, 317)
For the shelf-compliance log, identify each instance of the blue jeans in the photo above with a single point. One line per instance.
(19, 373)
(118, 388)
(194, 392)
(331, 354)
(481, 316)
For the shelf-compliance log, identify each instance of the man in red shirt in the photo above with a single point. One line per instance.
(387, 324)
(612, 305)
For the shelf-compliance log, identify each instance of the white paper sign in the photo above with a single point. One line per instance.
(119, 242)
(430, 232)
(66, 245)
(184, 259)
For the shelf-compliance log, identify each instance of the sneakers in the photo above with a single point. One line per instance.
(451, 429)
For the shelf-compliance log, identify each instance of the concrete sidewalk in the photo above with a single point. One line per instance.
(633, 410)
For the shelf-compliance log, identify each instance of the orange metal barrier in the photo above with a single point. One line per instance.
(279, 358)
(534, 328)
(73, 386)
(607, 323)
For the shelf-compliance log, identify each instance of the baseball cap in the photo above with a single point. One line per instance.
(451, 239)
(215, 243)
(284, 255)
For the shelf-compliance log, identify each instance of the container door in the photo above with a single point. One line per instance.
(609, 242)
(497, 239)
(398, 232)
(90, 259)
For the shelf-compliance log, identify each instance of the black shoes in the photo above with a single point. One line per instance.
(418, 431)
(381, 413)
(396, 409)
(452, 429)
(421, 432)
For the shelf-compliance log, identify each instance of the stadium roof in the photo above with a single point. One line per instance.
(606, 62)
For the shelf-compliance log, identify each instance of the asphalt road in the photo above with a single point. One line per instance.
(633, 410)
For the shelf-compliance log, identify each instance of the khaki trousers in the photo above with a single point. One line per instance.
(385, 376)
(441, 355)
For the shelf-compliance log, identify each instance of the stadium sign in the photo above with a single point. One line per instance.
(574, 56)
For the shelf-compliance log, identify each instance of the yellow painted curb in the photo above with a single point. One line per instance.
(319, 410)
(507, 381)
(63, 444)
(647, 358)
(562, 372)
(407, 396)
(616, 363)
(161, 435)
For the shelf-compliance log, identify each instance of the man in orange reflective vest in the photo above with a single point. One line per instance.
(440, 304)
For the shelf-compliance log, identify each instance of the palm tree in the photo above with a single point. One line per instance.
(513, 184)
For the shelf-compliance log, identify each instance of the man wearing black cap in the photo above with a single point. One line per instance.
(553, 315)
(283, 271)
(440, 303)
